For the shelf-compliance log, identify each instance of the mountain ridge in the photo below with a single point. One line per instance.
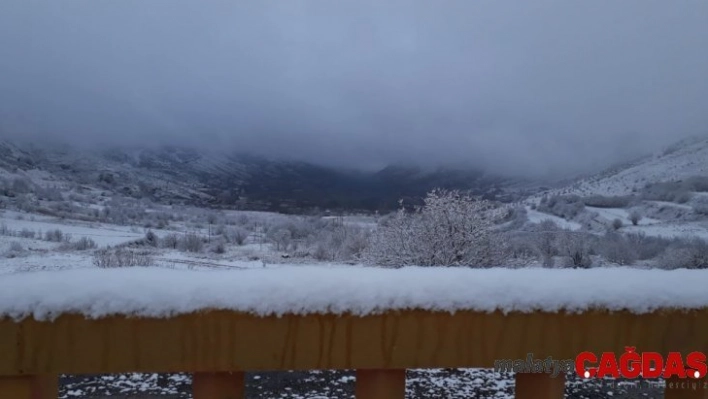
(238, 180)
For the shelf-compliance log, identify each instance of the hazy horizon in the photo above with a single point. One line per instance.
(526, 89)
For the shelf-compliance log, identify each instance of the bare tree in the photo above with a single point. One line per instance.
(238, 235)
(211, 219)
(545, 241)
(616, 248)
(281, 238)
(575, 246)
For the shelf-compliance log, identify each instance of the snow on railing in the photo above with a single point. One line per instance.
(380, 322)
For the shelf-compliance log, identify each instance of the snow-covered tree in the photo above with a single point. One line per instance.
(545, 237)
(575, 246)
(450, 229)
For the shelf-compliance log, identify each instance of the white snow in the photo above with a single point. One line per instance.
(538, 217)
(102, 234)
(671, 230)
(621, 214)
(157, 292)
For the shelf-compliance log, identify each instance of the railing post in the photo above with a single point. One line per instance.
(686, 389)
(29, 387)
(380, 384)
(218, 385)
(539, 386)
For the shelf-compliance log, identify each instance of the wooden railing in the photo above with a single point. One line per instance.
(218, 346)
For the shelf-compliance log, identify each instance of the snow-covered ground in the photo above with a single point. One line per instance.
(538, 217)
(610, 214)
(653, 227)
(672, 230)
(687, 159)
(40, 254)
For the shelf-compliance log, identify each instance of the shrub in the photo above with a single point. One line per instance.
(698, 183)
(601, 201)
(54, 235)
(701, 208)
(616, 248)
(280, 237)
(341, 243)
(575, 247)
(121, 257)
(5, 231)
(170, 241)
(191, 242)
(646, 247)
(617, 224)
(219, 248)
(238, 235)
(21, 186)
(151, 239)
(27, 233)
(688, 254)
(683, 197)
(14, 250)
(83, 244)
(566, 207)
(544, 237)
(635, 217)
(668, 191)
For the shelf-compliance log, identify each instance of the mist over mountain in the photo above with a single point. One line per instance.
(174, 174)
(545, 88)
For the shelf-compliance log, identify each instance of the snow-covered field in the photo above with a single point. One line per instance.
(610, 214)
(672, 230)
(27, 230)
(102, 234)
(538, 217)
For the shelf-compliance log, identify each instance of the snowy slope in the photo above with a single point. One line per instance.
(683, 160)
(538, 217)
(227, 178)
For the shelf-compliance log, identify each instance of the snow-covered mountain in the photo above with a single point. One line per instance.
(663, 194)
(682, 160)
(217, 179)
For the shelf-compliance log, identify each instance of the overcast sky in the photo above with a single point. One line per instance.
(517, 86)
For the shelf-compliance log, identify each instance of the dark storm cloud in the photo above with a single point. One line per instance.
(522, 86)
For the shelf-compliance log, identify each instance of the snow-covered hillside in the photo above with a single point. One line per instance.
(682, 160)
(225, 178)
(667, 194)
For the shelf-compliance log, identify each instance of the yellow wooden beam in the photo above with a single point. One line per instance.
(219, 341)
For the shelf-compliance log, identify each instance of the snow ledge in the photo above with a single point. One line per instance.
(157, 292)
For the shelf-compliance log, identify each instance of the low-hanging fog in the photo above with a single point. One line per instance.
(520, 87)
